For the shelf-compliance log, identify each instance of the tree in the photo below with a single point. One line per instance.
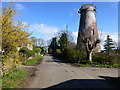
(34, 41)
(63, 41)
(90, 43)
(40, 42)
(37, 50)
(109, 44)
(53, 45)
(13, 36)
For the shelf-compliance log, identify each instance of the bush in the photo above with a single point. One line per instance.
(49, 50)
(58, 51)
(42, 50)
(37, 50)
(100, 58)
(73, 55)
(114, 59)
(103, 58)
(26, 53)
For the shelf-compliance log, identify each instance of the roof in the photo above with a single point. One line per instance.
(84, 5)
(88, 7)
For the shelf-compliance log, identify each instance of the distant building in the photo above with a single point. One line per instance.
(29, 46)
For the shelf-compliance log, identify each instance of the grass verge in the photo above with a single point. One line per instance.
(33, 61)
(14, 78)
(100, 65)
(82, 65)
(108, 66)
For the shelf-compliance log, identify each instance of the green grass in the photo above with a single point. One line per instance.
(14, 78)
(33, 61)
(99, 65)
(108, 66)
(82, 65)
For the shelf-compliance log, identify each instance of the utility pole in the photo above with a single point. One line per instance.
(54, 46)
(67, 36)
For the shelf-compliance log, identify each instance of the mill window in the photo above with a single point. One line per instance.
(92, 32)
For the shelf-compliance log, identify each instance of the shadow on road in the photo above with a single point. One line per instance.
(83, 83)
(113, 80)
(58, 59)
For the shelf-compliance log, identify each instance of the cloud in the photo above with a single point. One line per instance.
(46, 31)
(19, 6)
(75, 35)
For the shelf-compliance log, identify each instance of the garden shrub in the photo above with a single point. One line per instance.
(100, 58)
(114, 59)
(103, 58)
(37, 50)
(26, 53)
(58, 51)
(73, 55)
(49, 50)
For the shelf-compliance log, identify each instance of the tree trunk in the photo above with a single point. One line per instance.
(90, 56)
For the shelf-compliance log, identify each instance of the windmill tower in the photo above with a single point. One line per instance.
(87, 28)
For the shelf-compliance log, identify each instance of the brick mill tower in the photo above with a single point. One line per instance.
(88, 28)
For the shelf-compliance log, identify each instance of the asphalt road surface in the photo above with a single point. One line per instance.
(54, 74)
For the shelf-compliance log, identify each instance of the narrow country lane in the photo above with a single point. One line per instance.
(52, 74)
